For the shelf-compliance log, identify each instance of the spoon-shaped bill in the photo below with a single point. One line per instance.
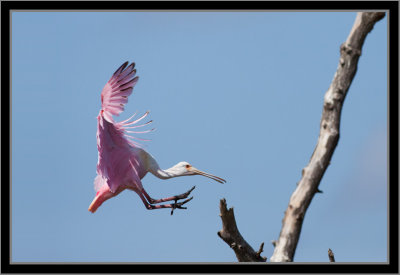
(198, 172)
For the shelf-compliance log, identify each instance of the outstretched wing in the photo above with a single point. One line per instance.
(115, 93)
(117, 160)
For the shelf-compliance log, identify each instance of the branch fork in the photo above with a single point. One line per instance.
(231, 235)
(307, 187)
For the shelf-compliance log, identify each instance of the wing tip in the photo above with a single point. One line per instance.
(122, 67)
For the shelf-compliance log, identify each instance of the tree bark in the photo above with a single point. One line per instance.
(331, 256)
(231, 235)
(312, 174)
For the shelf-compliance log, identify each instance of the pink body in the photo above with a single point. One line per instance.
(120, 163)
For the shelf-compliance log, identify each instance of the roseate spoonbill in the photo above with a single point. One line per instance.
(122, 163)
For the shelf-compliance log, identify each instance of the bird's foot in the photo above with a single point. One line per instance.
(173, 198)
(178, 205)
(184, 195)
(181, 196)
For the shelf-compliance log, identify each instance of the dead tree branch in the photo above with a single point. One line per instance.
(231, 235)
(350, 52)
(331, 255)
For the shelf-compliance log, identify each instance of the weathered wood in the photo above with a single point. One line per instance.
(231, 235)
(350, 51)
(331, 256)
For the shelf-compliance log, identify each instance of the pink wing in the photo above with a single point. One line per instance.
(115, 93)
(117, 162)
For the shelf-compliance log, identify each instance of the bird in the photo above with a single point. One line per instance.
(122, 161)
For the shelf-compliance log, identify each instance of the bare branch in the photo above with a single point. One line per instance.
(331, 255)
(350, 52)
(261, 249)
(231, 235)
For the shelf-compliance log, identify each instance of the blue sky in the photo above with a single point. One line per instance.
(236, 94)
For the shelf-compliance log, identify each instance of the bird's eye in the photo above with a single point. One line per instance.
(187, 165)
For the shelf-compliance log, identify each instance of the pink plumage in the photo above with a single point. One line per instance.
(122, 163)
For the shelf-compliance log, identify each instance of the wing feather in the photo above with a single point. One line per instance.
(116, 91)
(114, 96)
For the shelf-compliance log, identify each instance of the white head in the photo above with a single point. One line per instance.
(183, 168)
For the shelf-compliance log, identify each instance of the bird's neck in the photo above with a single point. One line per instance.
(163, 174)
(155, 169)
